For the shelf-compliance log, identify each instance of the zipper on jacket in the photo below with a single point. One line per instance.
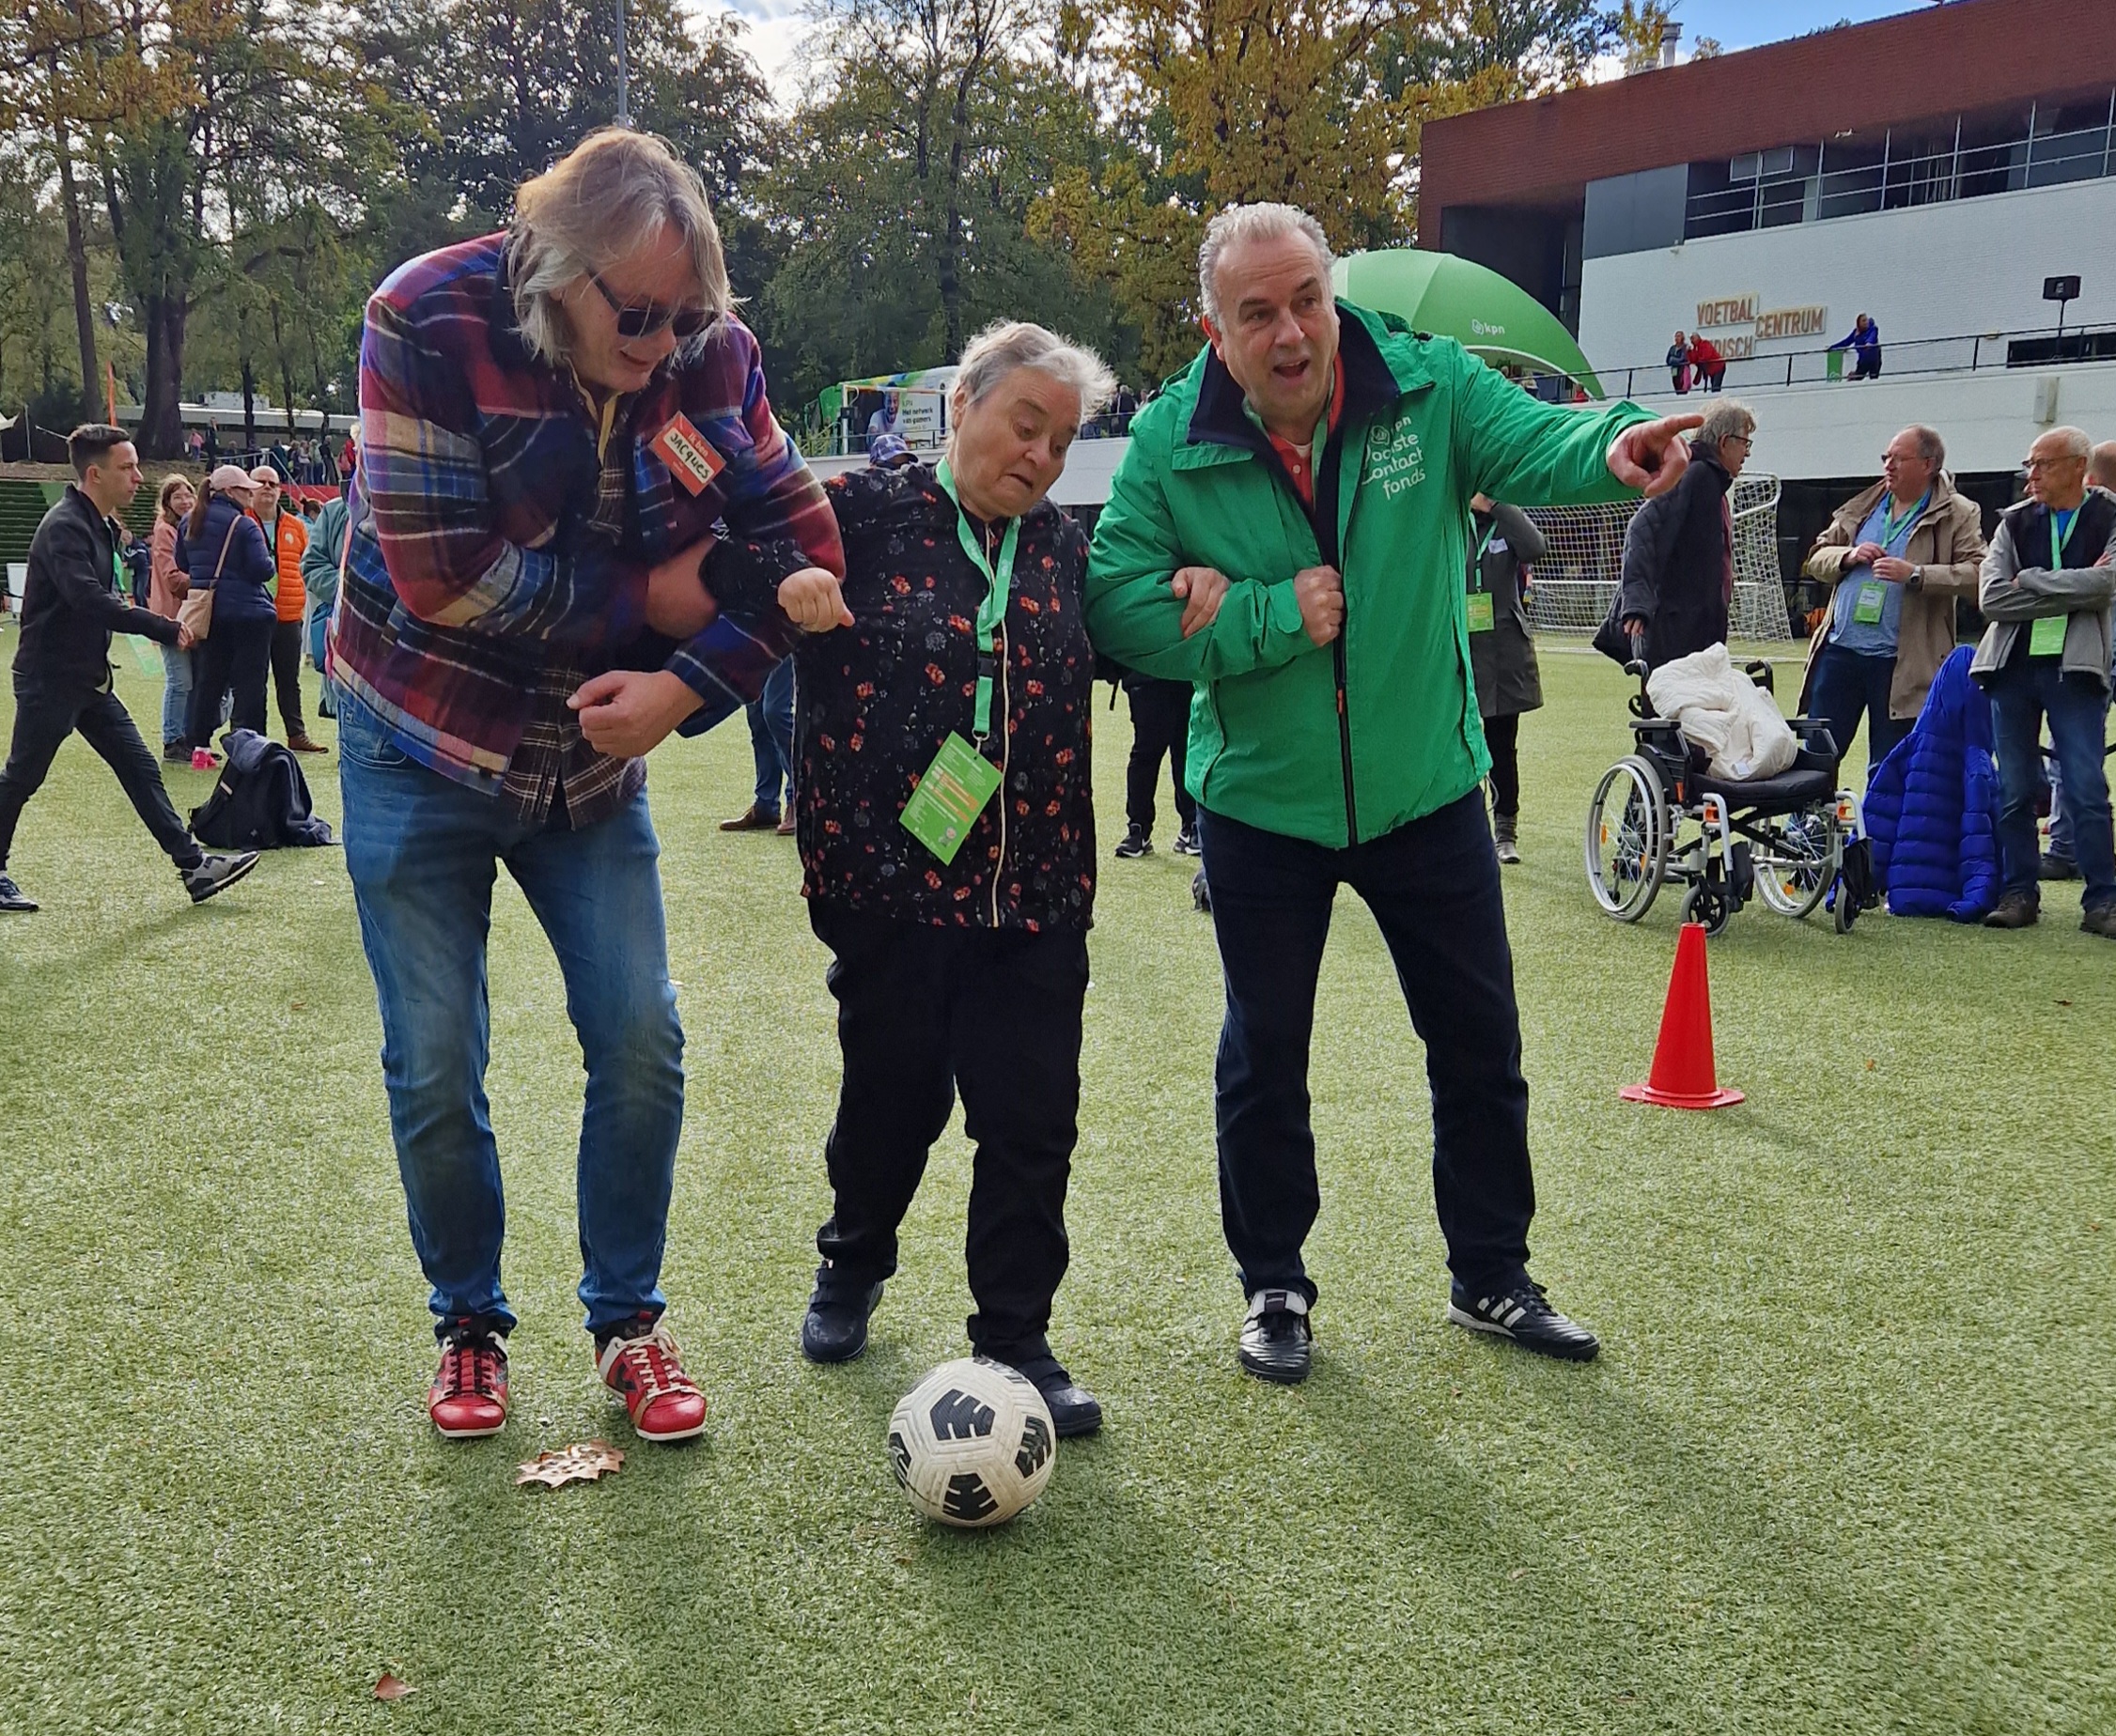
(1323, 517)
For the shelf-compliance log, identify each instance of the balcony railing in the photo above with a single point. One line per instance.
(1977, 352)
(1807, 189)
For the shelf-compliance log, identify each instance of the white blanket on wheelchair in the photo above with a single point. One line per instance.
(1723, 712)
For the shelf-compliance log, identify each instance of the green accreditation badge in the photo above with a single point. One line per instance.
(1873, 596)
(1480, 612)
(2046, 638)
(950, 796)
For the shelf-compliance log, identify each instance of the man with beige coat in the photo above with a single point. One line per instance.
(1896, 557)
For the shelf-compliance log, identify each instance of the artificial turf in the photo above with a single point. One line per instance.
(1842, 1465)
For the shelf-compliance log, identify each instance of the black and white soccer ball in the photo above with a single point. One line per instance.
(972, 1443)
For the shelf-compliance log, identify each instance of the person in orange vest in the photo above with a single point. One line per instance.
(287, 538)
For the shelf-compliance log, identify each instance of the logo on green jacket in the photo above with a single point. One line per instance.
(1395, 458)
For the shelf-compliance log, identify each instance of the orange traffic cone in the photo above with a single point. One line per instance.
(1684, 1077)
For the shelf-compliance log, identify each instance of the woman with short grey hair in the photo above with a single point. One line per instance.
(947, 845)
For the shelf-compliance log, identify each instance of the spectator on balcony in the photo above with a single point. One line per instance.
(1677, 587)
(1864, 341)
(1896, 556)
(1679, 363)
(1705, 358)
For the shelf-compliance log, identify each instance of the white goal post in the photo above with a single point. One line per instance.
(1576, 580)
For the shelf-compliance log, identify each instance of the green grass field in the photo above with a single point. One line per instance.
(1842, 1465)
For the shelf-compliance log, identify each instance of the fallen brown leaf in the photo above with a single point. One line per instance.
(1517, 1573)
(583, 1462)
(389, 1688)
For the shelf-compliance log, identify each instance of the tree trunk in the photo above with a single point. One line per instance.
(76, 255)
(161, 431)
(249, 405)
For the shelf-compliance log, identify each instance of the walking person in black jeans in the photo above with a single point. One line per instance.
(221, 549)
(1160, 724)
(62, 666)
(955, 659)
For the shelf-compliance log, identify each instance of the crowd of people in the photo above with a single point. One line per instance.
(1896, 560)
(314, 461)
(622, 544)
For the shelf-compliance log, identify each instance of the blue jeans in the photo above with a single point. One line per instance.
(771, 725)
(1433, 886)
(2023, 694)
(1849, 685)
(176, 695)
(423, 852)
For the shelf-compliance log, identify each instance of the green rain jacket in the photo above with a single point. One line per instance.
(1424, 425)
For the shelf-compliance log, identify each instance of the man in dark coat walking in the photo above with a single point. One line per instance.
(1504, 544)
(62, 666)
(1677, 584)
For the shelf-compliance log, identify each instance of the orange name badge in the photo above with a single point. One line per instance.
(689, 455)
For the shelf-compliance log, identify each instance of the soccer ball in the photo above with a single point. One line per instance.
(972, 1443)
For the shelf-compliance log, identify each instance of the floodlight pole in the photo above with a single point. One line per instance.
(624, 101)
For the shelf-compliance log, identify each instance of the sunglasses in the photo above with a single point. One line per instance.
(643, 319)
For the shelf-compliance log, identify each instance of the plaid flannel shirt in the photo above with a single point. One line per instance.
(479, 562)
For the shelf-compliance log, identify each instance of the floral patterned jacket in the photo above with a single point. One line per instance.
(876, 700)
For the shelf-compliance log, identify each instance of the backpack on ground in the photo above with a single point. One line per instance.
(261, 801)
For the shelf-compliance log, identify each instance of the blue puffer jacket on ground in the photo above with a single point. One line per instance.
(1932, 808)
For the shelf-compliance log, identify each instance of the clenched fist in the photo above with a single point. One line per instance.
(1321, 593)
(814, 600)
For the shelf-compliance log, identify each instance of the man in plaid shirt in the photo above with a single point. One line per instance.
(563, 428)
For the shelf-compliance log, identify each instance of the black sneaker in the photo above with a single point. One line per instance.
(1519, 1313)
(217, 872)
(13, 898)
(1277, 1342)
(835, 1326)
(176, 752)
(1074, 1410)
(1201, 892)
(2056, 867)
(2016, 911)
(1187, 842)
(2101, 920)
(1136, 843)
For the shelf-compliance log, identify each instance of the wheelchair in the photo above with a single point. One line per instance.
(1794, 839)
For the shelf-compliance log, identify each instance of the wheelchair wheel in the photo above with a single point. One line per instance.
(1627, 838)
(1794, 872)
(1711, 902)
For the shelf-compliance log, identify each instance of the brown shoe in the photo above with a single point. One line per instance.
(751, 818)
(785, 826)
(2016, 911)
(301, 743)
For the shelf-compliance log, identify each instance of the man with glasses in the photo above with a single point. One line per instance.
(2046, 588)
(555, 421)
(1676, 591)
(1896, 557)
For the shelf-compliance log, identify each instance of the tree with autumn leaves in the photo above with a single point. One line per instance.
(226, 179)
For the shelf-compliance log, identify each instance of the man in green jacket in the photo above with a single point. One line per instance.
(1310, 475)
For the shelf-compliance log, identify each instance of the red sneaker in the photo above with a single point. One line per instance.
(468, 1399)
(662, 1401)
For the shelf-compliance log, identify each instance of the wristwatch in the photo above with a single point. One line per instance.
(1917, 578)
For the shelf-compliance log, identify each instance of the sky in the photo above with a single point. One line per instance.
(775, 26)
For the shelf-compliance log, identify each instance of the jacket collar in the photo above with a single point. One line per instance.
(1371, 383)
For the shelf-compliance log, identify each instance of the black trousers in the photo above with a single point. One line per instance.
(1161, 723)
(234, 655)
(923, 1013)
(44, 720)
(1502, 735)
(1433, 886)
(287, 675)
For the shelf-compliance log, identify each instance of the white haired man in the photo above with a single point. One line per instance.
(2046, 588)
(1319, 460)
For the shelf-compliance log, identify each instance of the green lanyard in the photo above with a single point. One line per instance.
(2061, 536)
(999, 585)
(1892, 526)
(1477, 560)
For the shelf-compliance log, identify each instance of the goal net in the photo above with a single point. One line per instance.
(1576, 580)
